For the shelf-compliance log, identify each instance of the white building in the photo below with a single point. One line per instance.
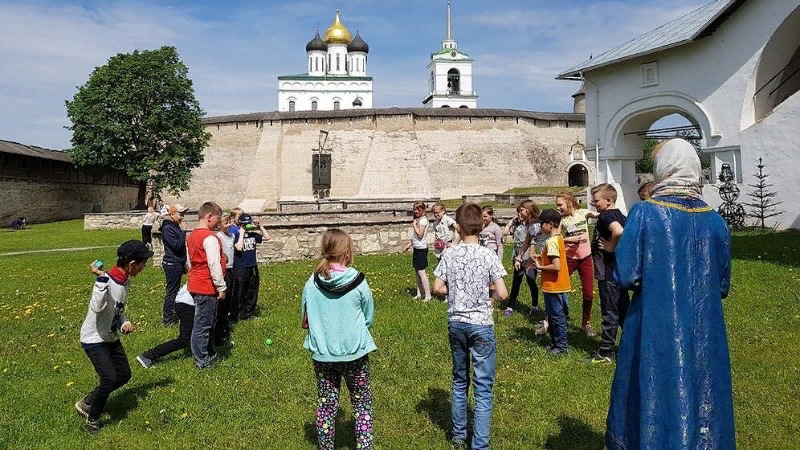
(732, 68)
(450, 83)
(336, 78)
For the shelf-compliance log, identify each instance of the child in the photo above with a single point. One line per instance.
(471, 278)
(222, 330)
(337, 310)
(575, 229)
(184, 307)
(613, 300)
(522, 228)
(246, 277)
(492, 235)
(206, 281)
(174, 261)
(444, 229)
(106, 316)
(419, 242)
(646, 190)
(147, 226)
(552, 263)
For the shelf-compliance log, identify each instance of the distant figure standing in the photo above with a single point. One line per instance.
(672, 387)
(147, 226)
(419, 244)
(491, 236)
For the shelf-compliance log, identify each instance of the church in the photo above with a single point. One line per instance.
(337, 74)
(731, 68)
(451, 75)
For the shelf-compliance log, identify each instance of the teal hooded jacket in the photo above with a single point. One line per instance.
(340, 312)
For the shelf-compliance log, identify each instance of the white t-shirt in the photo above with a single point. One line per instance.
(420, 242)
(443, 229)
(468, 269)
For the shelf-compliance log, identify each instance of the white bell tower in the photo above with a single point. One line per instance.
(450, 82)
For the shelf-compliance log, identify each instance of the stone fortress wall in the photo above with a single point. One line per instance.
(254, 160)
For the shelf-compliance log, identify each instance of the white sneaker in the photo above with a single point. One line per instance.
(541, 327)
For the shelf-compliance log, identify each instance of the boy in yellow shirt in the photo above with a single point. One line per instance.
(552, 264)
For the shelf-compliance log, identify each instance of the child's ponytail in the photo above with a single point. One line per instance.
(337, 247)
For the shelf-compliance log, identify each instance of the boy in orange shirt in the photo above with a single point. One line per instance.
(552, 264)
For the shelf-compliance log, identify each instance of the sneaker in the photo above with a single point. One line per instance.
(458, 444)
(92, 426)
(597, 358)
(145, 361)
(508, 312)
(426, 299)
(587, 328)
(541, 328)
(82, 408)
(556, 352)
(535, 310)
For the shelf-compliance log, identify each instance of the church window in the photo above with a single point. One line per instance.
(313, 105)
(291, 105)
(316, 64)
(336, 105)
(337, 62)
(453, 81)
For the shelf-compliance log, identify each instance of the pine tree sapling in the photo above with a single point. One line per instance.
(763, 205)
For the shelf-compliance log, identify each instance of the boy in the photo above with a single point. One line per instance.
(245, 267)
(613, 300)
(174, 262)
(552, 264)
(206, 281)
(471, 278)
(105, 318)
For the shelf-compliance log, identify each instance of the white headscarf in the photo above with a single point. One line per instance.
(677, 161)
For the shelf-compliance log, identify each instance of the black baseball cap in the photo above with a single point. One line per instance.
(550, 215)
(133, 250)
(245, 219)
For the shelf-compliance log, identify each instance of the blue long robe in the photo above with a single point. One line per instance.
(672, 385)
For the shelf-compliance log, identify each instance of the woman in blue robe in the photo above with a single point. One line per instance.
(672, 385)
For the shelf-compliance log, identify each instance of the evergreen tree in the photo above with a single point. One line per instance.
(763, 205)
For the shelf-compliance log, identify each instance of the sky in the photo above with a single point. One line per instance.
(235, 50)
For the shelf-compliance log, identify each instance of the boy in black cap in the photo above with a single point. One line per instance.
(245, 268)
(105, 318)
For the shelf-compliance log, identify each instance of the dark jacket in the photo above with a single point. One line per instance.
(174, 239)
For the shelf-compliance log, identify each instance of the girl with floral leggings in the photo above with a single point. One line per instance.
(335, 297)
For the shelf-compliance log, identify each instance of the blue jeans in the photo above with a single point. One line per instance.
(205, 311)
(476, 340)
(557, 306)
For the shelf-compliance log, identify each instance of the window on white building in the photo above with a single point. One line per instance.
(336, 105)
(291, 105)
(650, 74)
(337, 63)
(313, 105)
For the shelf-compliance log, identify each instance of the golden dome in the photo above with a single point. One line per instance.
(337, 33)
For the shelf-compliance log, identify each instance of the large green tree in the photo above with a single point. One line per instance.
(138, 113)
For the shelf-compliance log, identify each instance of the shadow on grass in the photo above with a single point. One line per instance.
(574, 435)
(576, 339)
(774, 247)
(120, 405)
(437, 407)
(345, 432)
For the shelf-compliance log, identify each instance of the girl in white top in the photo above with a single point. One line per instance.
(444, 228)
(492, 235)
(419, 242)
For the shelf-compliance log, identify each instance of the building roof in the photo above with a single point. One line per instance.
(419, 112)
(307, 77)
(35, 152)
(688, 28)
(358, 44)
(316, 44)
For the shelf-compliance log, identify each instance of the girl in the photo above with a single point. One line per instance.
(444, 228)
(222, 331)
(419, 242)
(523, 229)
(492, 235)
(575, 229)
(147, 226)
(105, 318)
(338, 310)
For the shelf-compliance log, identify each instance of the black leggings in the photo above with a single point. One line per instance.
(111, 364)
(186, 318)
(516, 283)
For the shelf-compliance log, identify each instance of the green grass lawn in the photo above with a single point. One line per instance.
(264, 397)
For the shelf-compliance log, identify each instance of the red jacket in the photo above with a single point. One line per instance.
(199, 279)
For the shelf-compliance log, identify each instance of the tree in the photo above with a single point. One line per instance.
(138, 113)
(764, 205)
